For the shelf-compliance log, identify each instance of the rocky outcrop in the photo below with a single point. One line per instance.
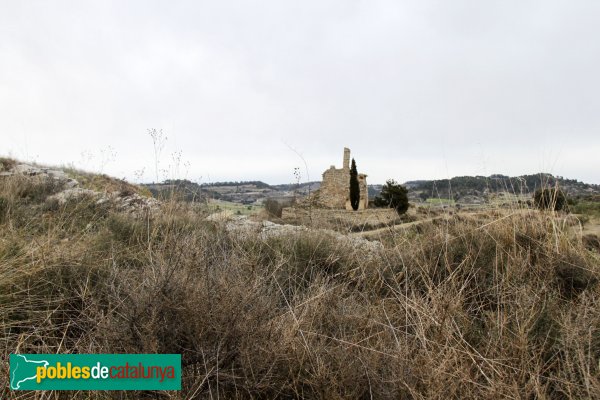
(70, 189)
(74, 193)
(50, 173)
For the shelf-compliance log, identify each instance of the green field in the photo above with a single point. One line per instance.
(440, 201)
(236, 208)
(585, 207)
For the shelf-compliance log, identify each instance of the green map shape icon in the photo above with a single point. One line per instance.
(23, 369)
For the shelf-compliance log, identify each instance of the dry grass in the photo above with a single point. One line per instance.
(342, 220)
(6, 163)
(503, 306)
(105, 183)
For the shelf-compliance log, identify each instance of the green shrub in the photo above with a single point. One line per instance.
(550, 199)
(393, 195)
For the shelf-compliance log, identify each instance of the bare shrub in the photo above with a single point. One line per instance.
(273, 207)
(591, 242)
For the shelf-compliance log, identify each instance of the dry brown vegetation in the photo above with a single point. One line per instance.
(344, 221)
(105, 183)
(496, 307)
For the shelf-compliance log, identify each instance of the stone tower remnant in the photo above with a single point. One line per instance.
(335, 188)
(346, 164)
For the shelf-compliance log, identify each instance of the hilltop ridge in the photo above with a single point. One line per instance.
(459, 188)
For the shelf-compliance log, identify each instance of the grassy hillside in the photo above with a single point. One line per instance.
(502, 305)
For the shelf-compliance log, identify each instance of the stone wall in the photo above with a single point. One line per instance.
(364, 193)
(335, 187)
(341, 220)
(334, 190)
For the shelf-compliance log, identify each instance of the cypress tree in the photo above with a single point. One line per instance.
(354, 188)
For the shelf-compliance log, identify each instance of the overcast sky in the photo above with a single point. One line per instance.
(417, 89)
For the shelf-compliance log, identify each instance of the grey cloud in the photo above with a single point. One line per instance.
(417, 89)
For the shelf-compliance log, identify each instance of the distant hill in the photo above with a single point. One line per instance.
(180, 188)
(302, 187)
(243, 192)
(249, 192)
(257, 184)
(478, 185)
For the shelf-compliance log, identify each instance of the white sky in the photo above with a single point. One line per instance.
(417, 89)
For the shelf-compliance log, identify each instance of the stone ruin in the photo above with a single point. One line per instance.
(335, 188)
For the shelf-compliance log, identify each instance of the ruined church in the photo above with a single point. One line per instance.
(335, 187)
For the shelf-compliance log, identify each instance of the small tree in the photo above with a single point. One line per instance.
(354, 187)
(393, 195)
(550, 199)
